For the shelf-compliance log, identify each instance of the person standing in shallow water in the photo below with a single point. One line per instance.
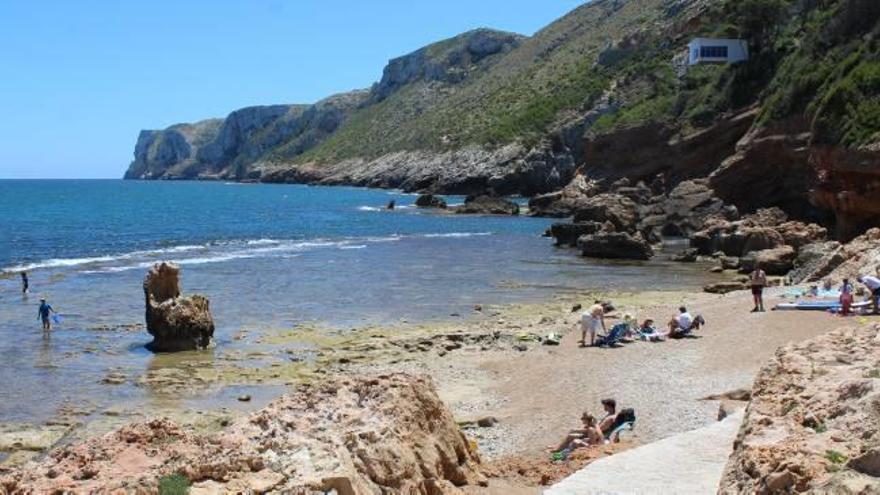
(24, 283)
(44, 313)
(759, 280)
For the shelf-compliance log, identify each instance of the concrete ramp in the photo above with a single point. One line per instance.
(683, 464)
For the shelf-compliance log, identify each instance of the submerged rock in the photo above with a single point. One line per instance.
(488, 205)
(177, 323)
(567, 234)
(430, 201)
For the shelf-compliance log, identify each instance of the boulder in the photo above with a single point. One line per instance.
(488, 205)
(729, 262)
(615, 245)
(684, 210)
(776, 261)
(563, 203)
(567, 234)
(360, 434)
(689, 255)
(430, 201)
(621, 211)
(816, 261)
(798, 234)
(177, 323)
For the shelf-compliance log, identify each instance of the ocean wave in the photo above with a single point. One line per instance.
(216, 252)
(369, 208)
(457, 234)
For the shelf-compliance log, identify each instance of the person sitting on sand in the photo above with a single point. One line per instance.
(591, 321)
(684, 324)
(588, 435)
(610, 407)
(648, 332)
(873, 285)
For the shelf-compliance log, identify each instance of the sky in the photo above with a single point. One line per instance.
(80, 79)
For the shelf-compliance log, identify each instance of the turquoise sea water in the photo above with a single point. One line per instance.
(267, 256)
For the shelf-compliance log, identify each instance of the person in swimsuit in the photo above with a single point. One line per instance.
(44, 314)
(588, 435)
(759, 280)
(846, 298)
(24, 283)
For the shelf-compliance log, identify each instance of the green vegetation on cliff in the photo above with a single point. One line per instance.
(608, 65)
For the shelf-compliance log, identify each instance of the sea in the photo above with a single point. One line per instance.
(267, 256)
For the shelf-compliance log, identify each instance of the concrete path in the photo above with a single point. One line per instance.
(687, 463)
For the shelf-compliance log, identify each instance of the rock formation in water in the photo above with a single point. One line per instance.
(488, 205)
(351, 435)
(177, 323)
(812, 425)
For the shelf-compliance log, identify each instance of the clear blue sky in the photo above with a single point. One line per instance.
(80, 79)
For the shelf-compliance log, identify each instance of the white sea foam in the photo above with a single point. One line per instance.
(457, 234)
(217, 252)
(369, 208)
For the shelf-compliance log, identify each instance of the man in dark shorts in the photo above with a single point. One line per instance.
(44, 313)
(758, 280)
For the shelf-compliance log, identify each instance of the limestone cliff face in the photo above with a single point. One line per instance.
(601, 94)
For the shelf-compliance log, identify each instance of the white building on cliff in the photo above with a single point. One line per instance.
(717, 51)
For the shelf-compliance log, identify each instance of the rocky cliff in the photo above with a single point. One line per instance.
(812, 424)
(601, 94)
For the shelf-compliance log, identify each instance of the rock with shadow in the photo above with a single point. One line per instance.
(177, 323)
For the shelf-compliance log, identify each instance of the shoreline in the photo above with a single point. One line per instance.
(489, 365)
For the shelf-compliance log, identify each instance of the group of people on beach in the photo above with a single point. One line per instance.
(847, 293)
(595, 431)
(681, 325)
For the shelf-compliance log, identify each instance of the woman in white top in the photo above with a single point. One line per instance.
(591, 321)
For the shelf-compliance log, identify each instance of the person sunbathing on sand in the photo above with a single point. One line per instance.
(588, 435)
(610, 407)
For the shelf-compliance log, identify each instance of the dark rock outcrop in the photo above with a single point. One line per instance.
(567, 234)
(177, 323)
(488, 205)
(430, 201)
(615, 245)
(684, 210)
(816, 261)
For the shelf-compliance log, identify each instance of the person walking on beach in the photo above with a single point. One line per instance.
(759, 280)
(873, 285)
(591, 321)
(24, 283)
(44, 314)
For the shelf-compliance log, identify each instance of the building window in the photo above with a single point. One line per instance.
(713, 52)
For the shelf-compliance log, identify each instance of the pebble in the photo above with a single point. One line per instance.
(244, 398)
